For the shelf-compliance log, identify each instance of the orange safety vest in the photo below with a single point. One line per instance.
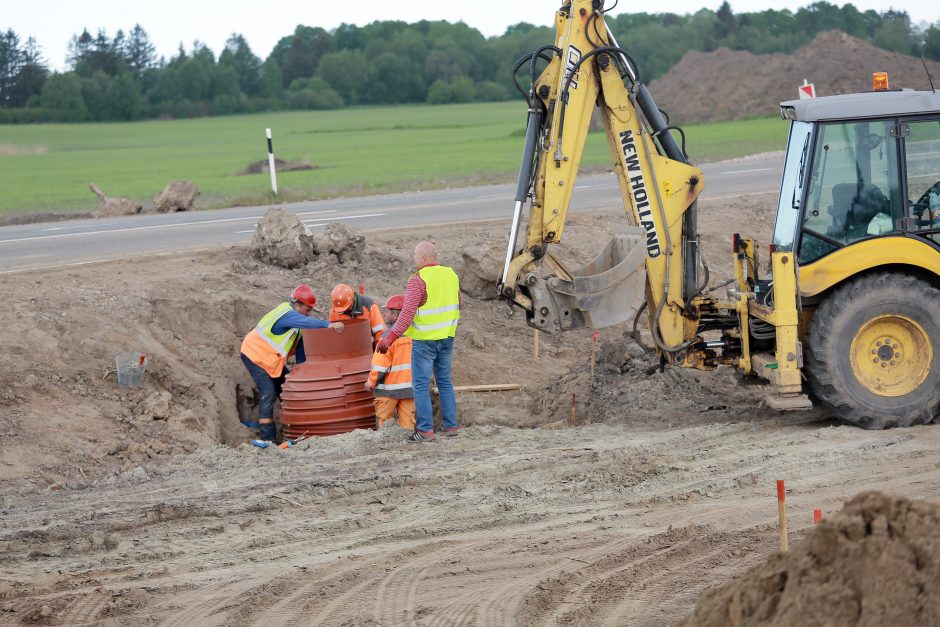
(391, 373)
(364, 307)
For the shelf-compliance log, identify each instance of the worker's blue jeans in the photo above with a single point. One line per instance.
(433, 357)
(269, 389)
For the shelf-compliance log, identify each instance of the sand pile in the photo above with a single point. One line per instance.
(877, 562)
(735, 84)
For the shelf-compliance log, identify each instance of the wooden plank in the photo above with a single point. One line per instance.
(497, 387)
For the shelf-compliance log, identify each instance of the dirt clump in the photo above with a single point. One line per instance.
(176, 196)
(481, 262)
(280, 165)
(736, 84)
(111, 206)
(874, 563)
(282, 240)
(345, 243)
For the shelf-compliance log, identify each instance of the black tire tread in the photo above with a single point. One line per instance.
(818, 371)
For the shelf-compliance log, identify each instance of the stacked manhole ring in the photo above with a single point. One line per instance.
(326, 394)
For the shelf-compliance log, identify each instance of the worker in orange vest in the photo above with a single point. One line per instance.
(390, 377)
(266, 348)
(349, 305)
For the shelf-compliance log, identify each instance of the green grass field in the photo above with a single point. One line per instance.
(48, 167)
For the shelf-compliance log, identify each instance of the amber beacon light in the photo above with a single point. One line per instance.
(879, 81)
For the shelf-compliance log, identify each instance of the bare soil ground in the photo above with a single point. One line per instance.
(131, 506)
(736, 84)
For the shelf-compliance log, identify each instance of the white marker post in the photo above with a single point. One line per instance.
(807, 90)
(267, 132)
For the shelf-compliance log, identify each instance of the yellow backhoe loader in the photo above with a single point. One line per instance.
(849, 315)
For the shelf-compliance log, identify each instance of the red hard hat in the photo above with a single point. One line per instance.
(395, 302)
(304, 294)
(342, 297)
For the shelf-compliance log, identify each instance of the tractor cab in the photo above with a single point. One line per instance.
(859, 167)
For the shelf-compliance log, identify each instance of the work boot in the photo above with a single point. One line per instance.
(268, 431)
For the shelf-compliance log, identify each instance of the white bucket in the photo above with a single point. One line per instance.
(131, 366)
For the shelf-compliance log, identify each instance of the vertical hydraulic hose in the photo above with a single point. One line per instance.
(533, 126)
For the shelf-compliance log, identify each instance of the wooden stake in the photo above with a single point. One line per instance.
(817, 516)
(535, 344)
(574, 411)
(782, 512)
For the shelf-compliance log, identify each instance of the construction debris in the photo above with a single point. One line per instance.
(110, 206)
(176, 196)
(481, 263)
(344, 242)
(281, 239)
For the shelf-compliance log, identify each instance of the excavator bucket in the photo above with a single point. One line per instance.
(605, 292)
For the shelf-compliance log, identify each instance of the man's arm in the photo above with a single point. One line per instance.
(296, 320)
(376, 322)
(416, 294)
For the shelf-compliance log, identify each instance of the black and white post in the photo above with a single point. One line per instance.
(271, 161)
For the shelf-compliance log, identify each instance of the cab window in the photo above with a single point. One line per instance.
(922, 157)
(853, 189)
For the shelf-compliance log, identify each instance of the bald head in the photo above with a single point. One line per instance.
(425, 254)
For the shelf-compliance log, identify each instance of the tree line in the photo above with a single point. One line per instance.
(390, 62)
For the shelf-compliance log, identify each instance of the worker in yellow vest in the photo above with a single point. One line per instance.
(390, 375)
(429, 317)
(266, 348)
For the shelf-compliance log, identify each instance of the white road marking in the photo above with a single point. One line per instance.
(106, 260)
(744, 171)
(152, 226)
(772, 191)
(341, 218)
(131, 228)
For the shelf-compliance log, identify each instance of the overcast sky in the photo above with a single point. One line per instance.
(169, 22)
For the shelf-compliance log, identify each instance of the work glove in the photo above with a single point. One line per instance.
(383, 345)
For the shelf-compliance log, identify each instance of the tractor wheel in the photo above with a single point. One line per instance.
(873, 352)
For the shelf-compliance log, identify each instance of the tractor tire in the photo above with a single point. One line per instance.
(873, 352)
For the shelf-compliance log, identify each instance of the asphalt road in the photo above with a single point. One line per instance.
(47, 245)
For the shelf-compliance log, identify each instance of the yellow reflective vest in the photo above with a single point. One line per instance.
(266, 349)
(437, 318)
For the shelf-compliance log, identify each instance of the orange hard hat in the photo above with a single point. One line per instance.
(342, 297)
(304, 294)
(395, 302)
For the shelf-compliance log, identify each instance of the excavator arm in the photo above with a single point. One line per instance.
(655, 259)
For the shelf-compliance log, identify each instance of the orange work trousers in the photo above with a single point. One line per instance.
(386, 408)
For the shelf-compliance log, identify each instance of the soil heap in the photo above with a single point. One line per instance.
(874, 563)
(736, 84)
(176, 196)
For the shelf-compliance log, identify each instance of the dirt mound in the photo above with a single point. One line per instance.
(279, 166)
(481, 262)
(176, 196)
(733, 84)
(343, 242)
(874, 563)
(282, 240)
